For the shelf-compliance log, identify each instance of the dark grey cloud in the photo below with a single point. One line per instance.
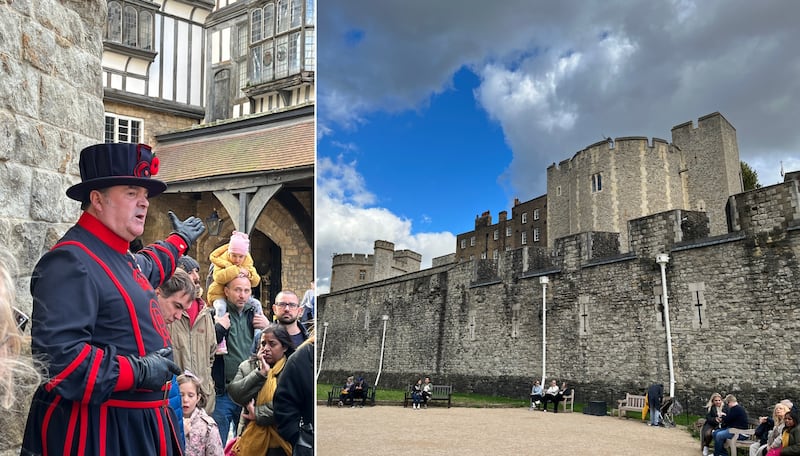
(639, 68)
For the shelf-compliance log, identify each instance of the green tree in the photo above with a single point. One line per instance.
(749, 177)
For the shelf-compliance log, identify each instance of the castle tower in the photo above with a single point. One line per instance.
(609, 183)
(711, 168)
(384, 259)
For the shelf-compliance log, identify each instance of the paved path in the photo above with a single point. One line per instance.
(393, 430)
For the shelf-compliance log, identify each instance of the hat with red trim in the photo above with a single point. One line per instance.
(106, 165)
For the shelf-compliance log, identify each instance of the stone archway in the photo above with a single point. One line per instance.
(268, 261)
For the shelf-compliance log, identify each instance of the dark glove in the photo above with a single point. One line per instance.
(153, 370)
(189, 229)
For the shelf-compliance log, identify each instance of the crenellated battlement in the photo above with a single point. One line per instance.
(352, 259)
(352, 269)
(610, 145)
(709, 121)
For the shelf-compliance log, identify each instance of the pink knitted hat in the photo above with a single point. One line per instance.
(239, 244)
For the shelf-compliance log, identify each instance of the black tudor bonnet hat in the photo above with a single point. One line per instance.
(106, 165)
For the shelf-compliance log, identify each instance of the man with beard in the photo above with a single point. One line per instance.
(287, 312)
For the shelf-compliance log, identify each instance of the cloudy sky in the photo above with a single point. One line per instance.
(431, 112)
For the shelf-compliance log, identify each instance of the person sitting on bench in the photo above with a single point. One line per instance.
(427, 391)
(359, 391)
(344, 396)
(553, 394)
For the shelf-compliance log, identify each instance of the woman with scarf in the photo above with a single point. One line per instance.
(254, 388)
(790, 439)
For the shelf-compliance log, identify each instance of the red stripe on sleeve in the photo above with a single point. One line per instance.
(92, 378)
(157, 262)
(178, 242)
(125, 379)
(131, 309)
(69, 369)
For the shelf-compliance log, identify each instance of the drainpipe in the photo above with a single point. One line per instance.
(544, 280)
(383, 344)
(322, 349)
(662, 259)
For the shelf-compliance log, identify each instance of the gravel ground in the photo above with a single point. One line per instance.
(394, 430)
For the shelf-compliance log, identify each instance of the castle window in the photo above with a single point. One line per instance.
(558, 191)
(463, 243)
(524, 217)
(120, 129)
(524, 237)
(495, 254)
(508, 231)
(536, 214)
(146, 30)
(536, 235)
(472, 241)
(597, 182)
(281, 44)
(130, 24)
(362, 274)
(496, 234)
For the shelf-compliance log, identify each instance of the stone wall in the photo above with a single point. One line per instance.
(51, 107)
(731, 299)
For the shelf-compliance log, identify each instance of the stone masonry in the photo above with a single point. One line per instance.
(51, 107)
(733, 298)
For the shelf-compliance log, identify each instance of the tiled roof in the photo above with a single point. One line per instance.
(268, 149)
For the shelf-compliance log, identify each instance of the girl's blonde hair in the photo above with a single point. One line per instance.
(18, 376)
(188, 377)
(711, 401)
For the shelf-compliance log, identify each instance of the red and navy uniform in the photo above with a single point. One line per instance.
(93, 304)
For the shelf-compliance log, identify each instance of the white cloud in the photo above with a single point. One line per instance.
(347, 224)
(559, 76)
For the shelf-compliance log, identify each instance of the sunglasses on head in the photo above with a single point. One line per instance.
(21, 319)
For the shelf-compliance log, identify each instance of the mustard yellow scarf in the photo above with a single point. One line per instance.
(256, 440)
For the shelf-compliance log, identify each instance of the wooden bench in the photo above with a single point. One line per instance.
(733, 443)
(438, 393)
(568, 401)
(631, 403)
(333, 396)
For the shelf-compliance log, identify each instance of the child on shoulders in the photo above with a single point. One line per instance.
(230, 261)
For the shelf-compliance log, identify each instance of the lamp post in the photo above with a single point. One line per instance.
(322, 349)
(383, 344)
(544, 281)
(213, 223)
(662, 259)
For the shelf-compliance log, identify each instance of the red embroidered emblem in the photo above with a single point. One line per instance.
(158, 321)
(141, 280)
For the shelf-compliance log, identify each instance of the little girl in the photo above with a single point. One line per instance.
(230, 261)
(202, 434)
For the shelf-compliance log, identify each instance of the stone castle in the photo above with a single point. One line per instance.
(732, 282)
(610, 182)
(350, 269)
